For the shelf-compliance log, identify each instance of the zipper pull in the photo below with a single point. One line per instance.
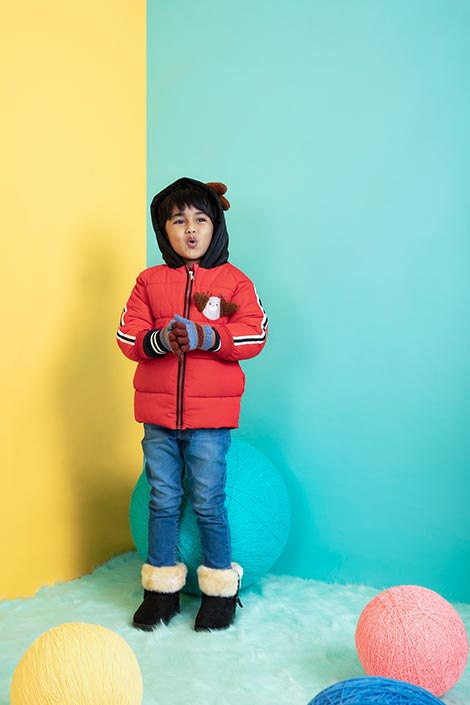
(191, 274)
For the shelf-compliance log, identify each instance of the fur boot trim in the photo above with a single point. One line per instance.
(220, 583)
(167, 579)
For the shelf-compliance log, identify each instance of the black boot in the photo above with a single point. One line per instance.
(219, 597)
(157, 608)
(216, 612)
(162, 587)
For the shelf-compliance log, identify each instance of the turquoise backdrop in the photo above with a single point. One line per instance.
(342, 130)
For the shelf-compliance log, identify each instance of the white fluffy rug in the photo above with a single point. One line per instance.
(293, 638)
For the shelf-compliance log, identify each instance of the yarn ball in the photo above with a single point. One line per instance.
(374, 691)
(258, 512)
(78, 664)
(412, 634)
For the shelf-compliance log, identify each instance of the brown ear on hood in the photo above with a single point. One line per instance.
(226, 307)
(200, 300)
(220, 189)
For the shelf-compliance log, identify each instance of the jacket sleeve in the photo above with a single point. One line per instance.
(137, 336)
(245, 334)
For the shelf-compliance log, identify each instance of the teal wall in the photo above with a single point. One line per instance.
(342, 131)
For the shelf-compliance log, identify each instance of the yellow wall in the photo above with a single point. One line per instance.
(73, 211)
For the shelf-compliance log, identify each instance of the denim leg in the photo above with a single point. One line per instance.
(164, 468)
(204, 454)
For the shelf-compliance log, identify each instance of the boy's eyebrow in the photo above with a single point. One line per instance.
(176, 213)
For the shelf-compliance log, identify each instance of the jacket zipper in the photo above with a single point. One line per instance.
(182, 363)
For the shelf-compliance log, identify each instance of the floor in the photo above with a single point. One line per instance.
(292, 639)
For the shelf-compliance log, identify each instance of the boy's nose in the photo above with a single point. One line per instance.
(190, 228)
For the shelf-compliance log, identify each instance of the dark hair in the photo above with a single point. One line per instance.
(180, 199)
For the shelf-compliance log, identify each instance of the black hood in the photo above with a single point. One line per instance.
(217, 253)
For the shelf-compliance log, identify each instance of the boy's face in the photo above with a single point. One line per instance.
(189, 232)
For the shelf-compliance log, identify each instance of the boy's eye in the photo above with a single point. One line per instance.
(201, 220)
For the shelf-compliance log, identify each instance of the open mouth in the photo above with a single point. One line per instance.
(192, 242)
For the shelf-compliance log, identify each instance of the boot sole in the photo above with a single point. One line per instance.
(152, 627)
(211, 629)
(146, 627)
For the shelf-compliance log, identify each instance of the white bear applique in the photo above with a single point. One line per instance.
(213, 307)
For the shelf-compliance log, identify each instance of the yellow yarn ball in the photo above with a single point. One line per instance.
(77, 664)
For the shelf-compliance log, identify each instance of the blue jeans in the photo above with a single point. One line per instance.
(201, 452)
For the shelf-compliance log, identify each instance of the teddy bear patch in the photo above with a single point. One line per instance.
(213, 307)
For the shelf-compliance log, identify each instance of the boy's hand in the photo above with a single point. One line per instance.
(191, 336)
(169, 340)
(181, 337)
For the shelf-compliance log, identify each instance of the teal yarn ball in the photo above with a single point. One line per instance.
(374, 690)
(258, 512)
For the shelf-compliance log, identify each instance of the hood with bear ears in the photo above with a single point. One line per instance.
(217, 252)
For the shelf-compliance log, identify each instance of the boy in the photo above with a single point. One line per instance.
(187, 324)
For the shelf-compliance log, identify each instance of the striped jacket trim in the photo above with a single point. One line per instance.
(155, 343)
(254, 339)
(124, 311)
(125, 338)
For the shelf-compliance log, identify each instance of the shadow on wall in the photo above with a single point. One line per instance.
(95, 412)
(270, 419)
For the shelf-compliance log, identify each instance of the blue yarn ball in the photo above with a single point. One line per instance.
(373, 690)
(258, 512)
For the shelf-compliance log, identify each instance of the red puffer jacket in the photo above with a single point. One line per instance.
(205, 389)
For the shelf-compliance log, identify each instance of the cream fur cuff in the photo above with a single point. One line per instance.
(220, 583)
(165, 579)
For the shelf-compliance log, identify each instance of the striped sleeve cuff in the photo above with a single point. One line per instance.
(153, 345)
(218, 343)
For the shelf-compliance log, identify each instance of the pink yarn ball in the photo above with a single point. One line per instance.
(412, 634)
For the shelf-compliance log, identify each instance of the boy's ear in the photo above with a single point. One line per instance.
(200, 300)
(220, 189)
(226, 307)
